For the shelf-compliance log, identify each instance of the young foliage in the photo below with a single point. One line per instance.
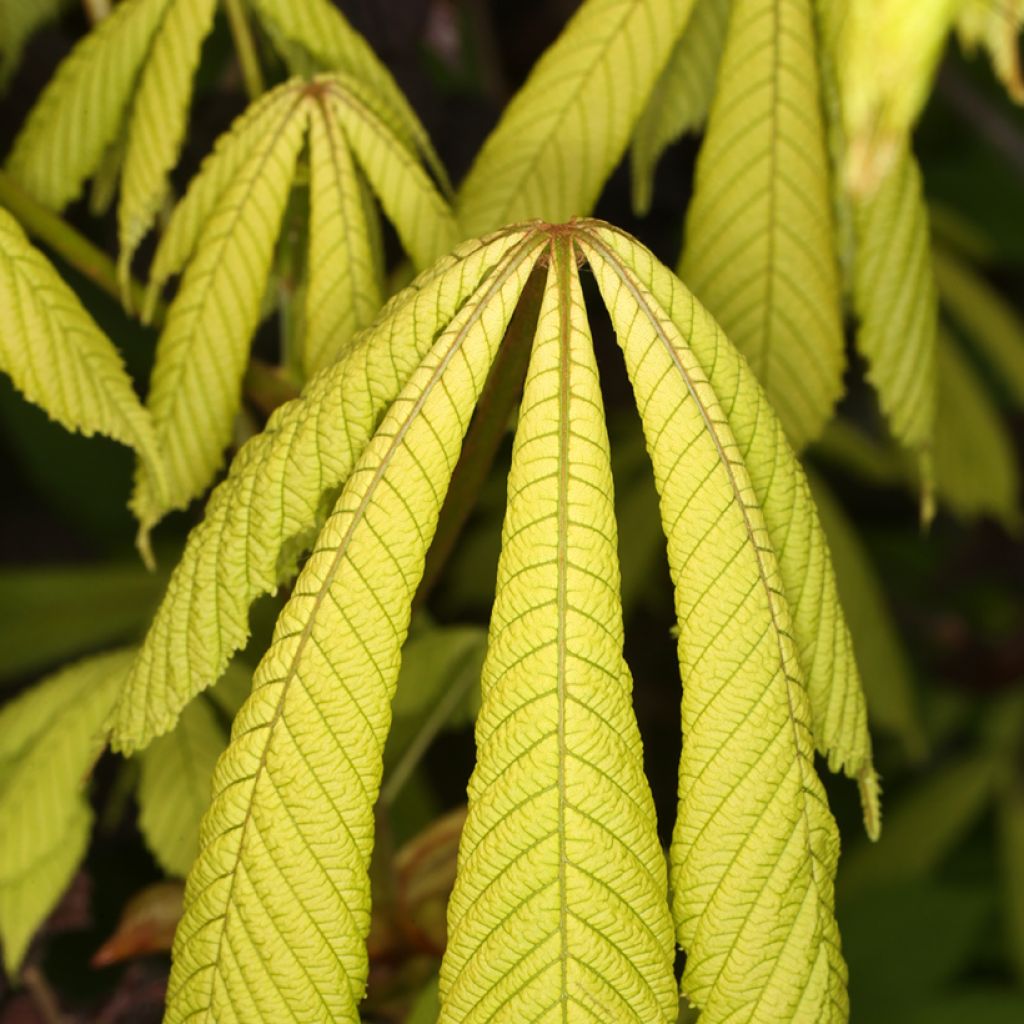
(49, 739)
(568, 126)
(996, 25)
(19, 21)
(224, 232)
(760, 246)
(277, 908)
(60, 360)
(131, 78)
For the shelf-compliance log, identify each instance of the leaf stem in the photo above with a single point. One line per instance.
(490, 421)
(87, 258)
(245, 47)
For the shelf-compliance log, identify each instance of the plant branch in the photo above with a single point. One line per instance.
(87, 258)
(501, 391)
(245, 47)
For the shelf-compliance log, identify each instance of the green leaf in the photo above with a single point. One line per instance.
(82, 108)
(268, 510)
(60, 360)
(886, 675)
(195, 390)
(49, 738)
(19, 21)
(760, 245)
(996, 26)
(975, 461)
(680, 98)
(344, 290)
(157, 122)
(991, 323)
(567, 127)
(755, 848)
(49, 613)
(277, 906)
(561, 896)
(176, 772)
(1011, 843)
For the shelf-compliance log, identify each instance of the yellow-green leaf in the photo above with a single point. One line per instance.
(156, 125)
(996, 25)
(567, 127)
(82, 108)
(680, 98)
(755, 848)
(760, 245)
(19, 21)
(277, 906)
(49, 738)
(560, 905)
(195, 390)
(266, 513)
(60, 360)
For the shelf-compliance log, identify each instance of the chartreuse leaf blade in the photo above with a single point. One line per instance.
(157, 121)
(760, 244)
(565, 130)
(277, 906)
(825, 650)
(19, 21)
(280, 485)
(755, 848)
(560, 904)
(49, 738)
(81, 110)
(680, 98)
(344, 290)
(60, 360)
(195, 389)
(996, 26)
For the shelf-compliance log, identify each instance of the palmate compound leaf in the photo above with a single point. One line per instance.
(229, 223)
(60, 360)
(277, 906)
(49, 738)
(680, 98)
(759, 250)
(277, 493)
(755, 848)
(560, 909)
(565, 130)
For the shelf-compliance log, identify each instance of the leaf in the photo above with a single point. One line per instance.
(195, 390)
(157, 122)
(49, 738)
(19, 21)
(344, 292)
(277, 906)
(176, 773)
(889, 52)
(680, 98)
(884, 669)
(996, 25)
(60, 360)
(421, 217)
(561, 895)
(975, 462)
(146, 926)
(894, 295)
(1011, 844)
(268, 510)
(81, 110)
(991, 323)
(318, 28)
(760, 245)
(49, 613)
(567, 127)
(755, 848)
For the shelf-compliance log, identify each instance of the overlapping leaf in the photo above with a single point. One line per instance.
(996, 25)
(755, 847)
(49, 738)
(60, 360)
(19, 21)
(680, 98)
(277, 907)
(565, 130)
(760, 243)
(273, 501)
(560, 905)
